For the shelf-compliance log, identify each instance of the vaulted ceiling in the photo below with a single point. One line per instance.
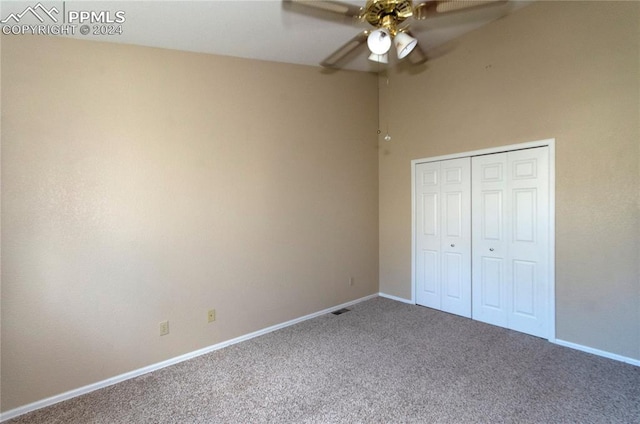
(263, 29)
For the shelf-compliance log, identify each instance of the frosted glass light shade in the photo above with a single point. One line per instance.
(380, 58)
(379, 41)
(404, 44)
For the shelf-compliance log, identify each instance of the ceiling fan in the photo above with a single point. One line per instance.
(388, 19)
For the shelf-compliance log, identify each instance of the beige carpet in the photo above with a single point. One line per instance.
(382, 362)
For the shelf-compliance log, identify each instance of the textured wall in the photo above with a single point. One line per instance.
(141, 184)
(564, 70)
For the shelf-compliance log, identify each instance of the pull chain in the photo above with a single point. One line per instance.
(387, 137)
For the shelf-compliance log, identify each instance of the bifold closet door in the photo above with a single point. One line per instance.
(510, 249)
(443, 235)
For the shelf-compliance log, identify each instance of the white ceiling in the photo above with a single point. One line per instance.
(257, 29)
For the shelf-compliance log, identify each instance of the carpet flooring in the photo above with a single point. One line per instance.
(381, 362)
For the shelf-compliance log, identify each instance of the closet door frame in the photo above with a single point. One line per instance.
(550, 143)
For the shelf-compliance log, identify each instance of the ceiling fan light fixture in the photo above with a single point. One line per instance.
(380, 58)
(379, 41)
(404, 44)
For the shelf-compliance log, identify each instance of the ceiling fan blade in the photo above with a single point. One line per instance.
(349, 47)
(453, 6)
(431, 8)
(338, 7)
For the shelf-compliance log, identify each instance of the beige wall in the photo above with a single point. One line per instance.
(564, 70)
(141, 184)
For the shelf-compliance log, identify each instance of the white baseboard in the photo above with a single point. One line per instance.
(597, 352)
(135, 373)
(571, 345)
(396, 298)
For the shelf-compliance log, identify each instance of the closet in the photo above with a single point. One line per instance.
(482, 242)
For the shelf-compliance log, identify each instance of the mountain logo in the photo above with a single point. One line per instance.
(38, 10)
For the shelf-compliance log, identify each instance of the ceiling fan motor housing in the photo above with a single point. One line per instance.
(387, 13)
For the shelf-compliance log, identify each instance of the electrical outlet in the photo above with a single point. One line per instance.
(352, 281)
(164, 328)
(211, 315)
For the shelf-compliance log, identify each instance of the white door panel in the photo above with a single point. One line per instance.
(430, 216)
(428, 235)
(443, 236)
(454, 215)
(489, 244)
(511, 240)
(524, 283)
(490, 287)
(454, 289)
(490, 214)
(456, 236)
(429, 275)
(529, 241)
